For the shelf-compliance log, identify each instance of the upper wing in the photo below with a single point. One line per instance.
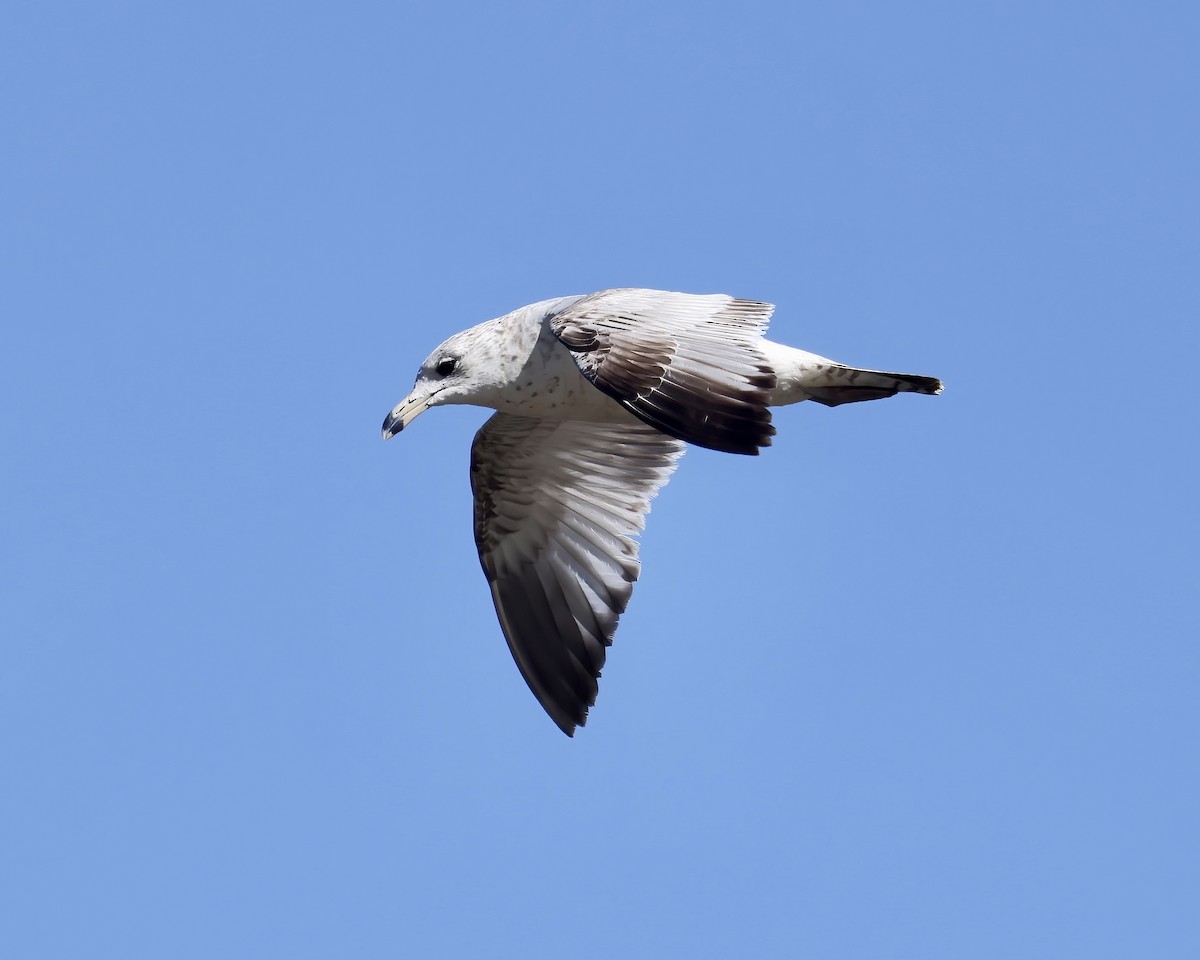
(556, 505)
(689, 365)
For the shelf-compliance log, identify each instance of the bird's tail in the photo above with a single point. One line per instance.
(838, 384)
(807, 376)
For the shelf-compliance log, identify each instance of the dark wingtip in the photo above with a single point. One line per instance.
(566, 726)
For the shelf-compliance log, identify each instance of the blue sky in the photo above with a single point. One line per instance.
(920, 681)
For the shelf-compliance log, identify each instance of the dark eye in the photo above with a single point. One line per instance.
(446, 366)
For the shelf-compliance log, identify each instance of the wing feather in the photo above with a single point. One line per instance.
(690, 366)
(557, 503)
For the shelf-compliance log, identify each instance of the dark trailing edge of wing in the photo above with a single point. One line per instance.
(723, 423)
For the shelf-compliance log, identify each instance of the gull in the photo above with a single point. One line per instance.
(596, 398)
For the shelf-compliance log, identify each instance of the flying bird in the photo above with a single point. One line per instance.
(596, 397)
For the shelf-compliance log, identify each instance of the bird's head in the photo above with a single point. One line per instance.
(477, 365)
(461, 370)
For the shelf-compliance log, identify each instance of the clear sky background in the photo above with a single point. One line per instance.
(920, 681)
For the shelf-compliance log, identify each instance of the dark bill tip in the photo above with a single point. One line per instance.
(392, 425)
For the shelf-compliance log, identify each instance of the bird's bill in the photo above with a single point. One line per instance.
(404, 413)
